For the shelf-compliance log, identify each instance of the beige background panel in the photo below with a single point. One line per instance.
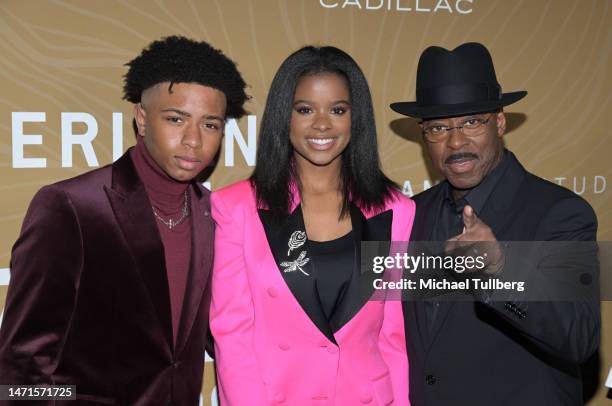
(67, 56)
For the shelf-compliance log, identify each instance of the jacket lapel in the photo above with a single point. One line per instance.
(289, 247)
(202, 232)
(500, 201)
(425, 218)
(502, 197)
(132, 210)
(377, 231)
(425, 221)
(444, 306)
(299, 276)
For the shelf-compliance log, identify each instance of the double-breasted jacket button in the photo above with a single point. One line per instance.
(332, 349)
(365, 398)
(272, 291)
(284, 346)
(320, 397)
(279, 397)
(431, 379)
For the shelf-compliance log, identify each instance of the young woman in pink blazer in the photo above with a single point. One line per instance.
(293, 315)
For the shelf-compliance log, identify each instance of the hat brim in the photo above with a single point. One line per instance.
(412, 109)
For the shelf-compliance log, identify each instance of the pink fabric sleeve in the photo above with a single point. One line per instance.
(392, 345)
(232, 314)
(392, 339)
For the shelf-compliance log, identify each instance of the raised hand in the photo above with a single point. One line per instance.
(477, 239)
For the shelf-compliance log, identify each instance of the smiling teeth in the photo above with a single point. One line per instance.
(320, 141)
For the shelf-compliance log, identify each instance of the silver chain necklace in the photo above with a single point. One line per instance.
(173, 223)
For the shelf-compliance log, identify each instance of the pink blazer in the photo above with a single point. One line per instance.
(273, 344)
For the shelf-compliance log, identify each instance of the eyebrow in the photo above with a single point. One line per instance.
(186, 114)
(215, 118)
(310, 102)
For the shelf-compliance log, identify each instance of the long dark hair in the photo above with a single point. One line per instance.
(362, 180)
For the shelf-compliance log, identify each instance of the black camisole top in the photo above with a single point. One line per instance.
(333, 266)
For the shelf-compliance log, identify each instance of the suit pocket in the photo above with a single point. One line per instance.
(383, 390)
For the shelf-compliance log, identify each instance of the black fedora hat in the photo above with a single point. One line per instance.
(457, 82)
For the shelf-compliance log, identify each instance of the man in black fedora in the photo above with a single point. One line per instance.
(494, 349)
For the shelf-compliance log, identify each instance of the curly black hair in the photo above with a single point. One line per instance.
(178, 59)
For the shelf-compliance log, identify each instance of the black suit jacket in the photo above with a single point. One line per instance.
(504, 353)
(88, 301)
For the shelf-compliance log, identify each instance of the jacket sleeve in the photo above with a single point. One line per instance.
(232, 315)
(392, 344)
(45, 269)
(564, 316)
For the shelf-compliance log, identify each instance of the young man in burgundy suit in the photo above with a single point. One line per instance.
(110, 277)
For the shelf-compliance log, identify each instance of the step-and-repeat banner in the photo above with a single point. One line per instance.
(62, 63)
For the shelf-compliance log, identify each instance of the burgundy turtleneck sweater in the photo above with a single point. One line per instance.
(168, 197)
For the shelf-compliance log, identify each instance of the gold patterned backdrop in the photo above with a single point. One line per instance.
(62, 63)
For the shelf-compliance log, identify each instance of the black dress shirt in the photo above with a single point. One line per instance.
(449, 222)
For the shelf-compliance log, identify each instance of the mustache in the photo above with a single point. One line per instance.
(460, 155)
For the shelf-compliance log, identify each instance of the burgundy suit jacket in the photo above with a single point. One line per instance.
(88, 302)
